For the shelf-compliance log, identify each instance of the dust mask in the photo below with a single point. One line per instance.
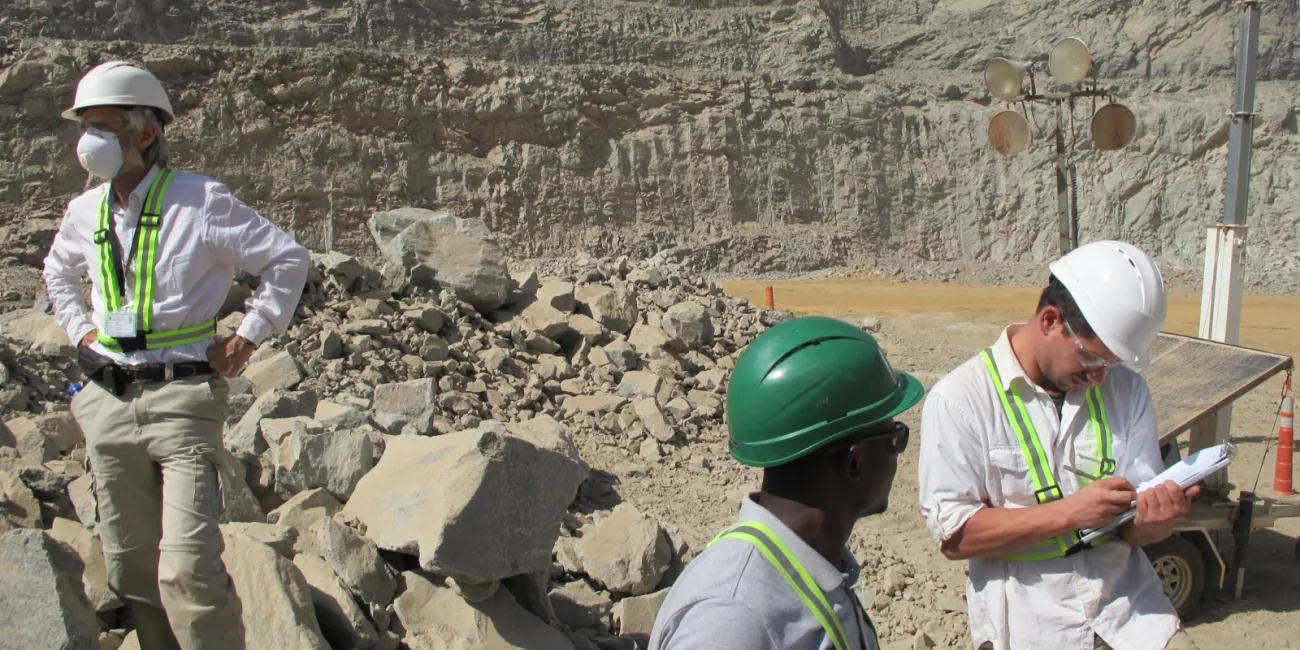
(100, 153)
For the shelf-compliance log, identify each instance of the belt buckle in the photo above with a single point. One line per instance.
(169, 371)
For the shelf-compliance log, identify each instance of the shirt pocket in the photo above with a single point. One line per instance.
(1009, 474)
(171, 273)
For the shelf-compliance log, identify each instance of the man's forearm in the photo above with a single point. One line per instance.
(993, 532)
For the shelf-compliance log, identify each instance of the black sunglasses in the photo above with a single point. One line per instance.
(895, 438)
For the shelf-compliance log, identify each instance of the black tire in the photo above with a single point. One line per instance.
(1181, 567)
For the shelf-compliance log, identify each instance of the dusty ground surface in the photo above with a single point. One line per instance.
(928, 329)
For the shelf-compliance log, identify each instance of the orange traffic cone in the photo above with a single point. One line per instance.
(1285, 450)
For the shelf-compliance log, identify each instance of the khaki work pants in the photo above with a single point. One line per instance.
(158, 498)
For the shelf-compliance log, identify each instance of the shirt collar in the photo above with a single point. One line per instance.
(1009, 368)
(141, 189)
(826, 575)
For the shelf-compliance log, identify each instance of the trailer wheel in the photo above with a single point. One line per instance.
(1181, 568)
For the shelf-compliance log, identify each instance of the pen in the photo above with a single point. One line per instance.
(1078, 473)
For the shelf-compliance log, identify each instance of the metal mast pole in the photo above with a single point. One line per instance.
(1226, 240)
(1066, 228)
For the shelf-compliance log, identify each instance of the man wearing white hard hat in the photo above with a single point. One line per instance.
(1044, 434)
(161, 248)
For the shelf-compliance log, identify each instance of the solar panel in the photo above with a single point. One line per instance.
(1191, 378)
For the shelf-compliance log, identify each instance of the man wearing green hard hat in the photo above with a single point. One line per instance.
(812, 401)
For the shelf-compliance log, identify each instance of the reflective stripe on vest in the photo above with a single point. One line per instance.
(785, 563)
(1046, 487)
(146, 262)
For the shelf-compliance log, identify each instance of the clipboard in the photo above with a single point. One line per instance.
(1186, 473)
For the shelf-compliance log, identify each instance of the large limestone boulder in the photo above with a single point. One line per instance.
(94, 574)
(42, 604)
(310, 458)
(275, 598)
(435, 247)
(615, 310)
(476, 505)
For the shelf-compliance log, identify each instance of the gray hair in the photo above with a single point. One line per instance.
(158, 153)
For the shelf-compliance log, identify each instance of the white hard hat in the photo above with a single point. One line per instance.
(1121, 293)
(118, 83)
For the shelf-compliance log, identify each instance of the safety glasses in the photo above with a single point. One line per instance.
(895, 439)
(1086, 358)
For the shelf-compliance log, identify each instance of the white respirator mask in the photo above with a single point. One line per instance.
(100, 153)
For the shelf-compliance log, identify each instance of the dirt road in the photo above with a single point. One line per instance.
(929, 329)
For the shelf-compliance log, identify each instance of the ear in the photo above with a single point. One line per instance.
(147, 137)
(1048, 319)
(852, 466)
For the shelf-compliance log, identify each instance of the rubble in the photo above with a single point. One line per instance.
(635, 617)
(403, 446)
(626, 552)
(31, 441)
(18, 506)
(406, 406)
(436, 617)
(279, 371)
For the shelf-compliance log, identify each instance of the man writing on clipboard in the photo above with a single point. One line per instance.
(1044, 434)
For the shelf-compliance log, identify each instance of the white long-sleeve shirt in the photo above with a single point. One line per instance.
(970, 459)
(207, 233)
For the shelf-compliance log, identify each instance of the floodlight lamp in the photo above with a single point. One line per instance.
(1006, 78)
(1070, 62)
(1009, 133)
(1113, 127)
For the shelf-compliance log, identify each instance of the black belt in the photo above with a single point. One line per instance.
(115, 379)
(154, 373)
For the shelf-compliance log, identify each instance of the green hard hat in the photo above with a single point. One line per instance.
(806, 383)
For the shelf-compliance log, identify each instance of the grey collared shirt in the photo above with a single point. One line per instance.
(732, 598)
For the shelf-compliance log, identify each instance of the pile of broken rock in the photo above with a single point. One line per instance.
(400, 467)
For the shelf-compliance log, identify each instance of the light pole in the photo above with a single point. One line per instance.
(1113, 125)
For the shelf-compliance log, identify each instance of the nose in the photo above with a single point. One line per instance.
(1095, 375)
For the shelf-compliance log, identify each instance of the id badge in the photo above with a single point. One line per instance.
(120, 325)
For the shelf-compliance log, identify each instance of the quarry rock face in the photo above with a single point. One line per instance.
(766, 137)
